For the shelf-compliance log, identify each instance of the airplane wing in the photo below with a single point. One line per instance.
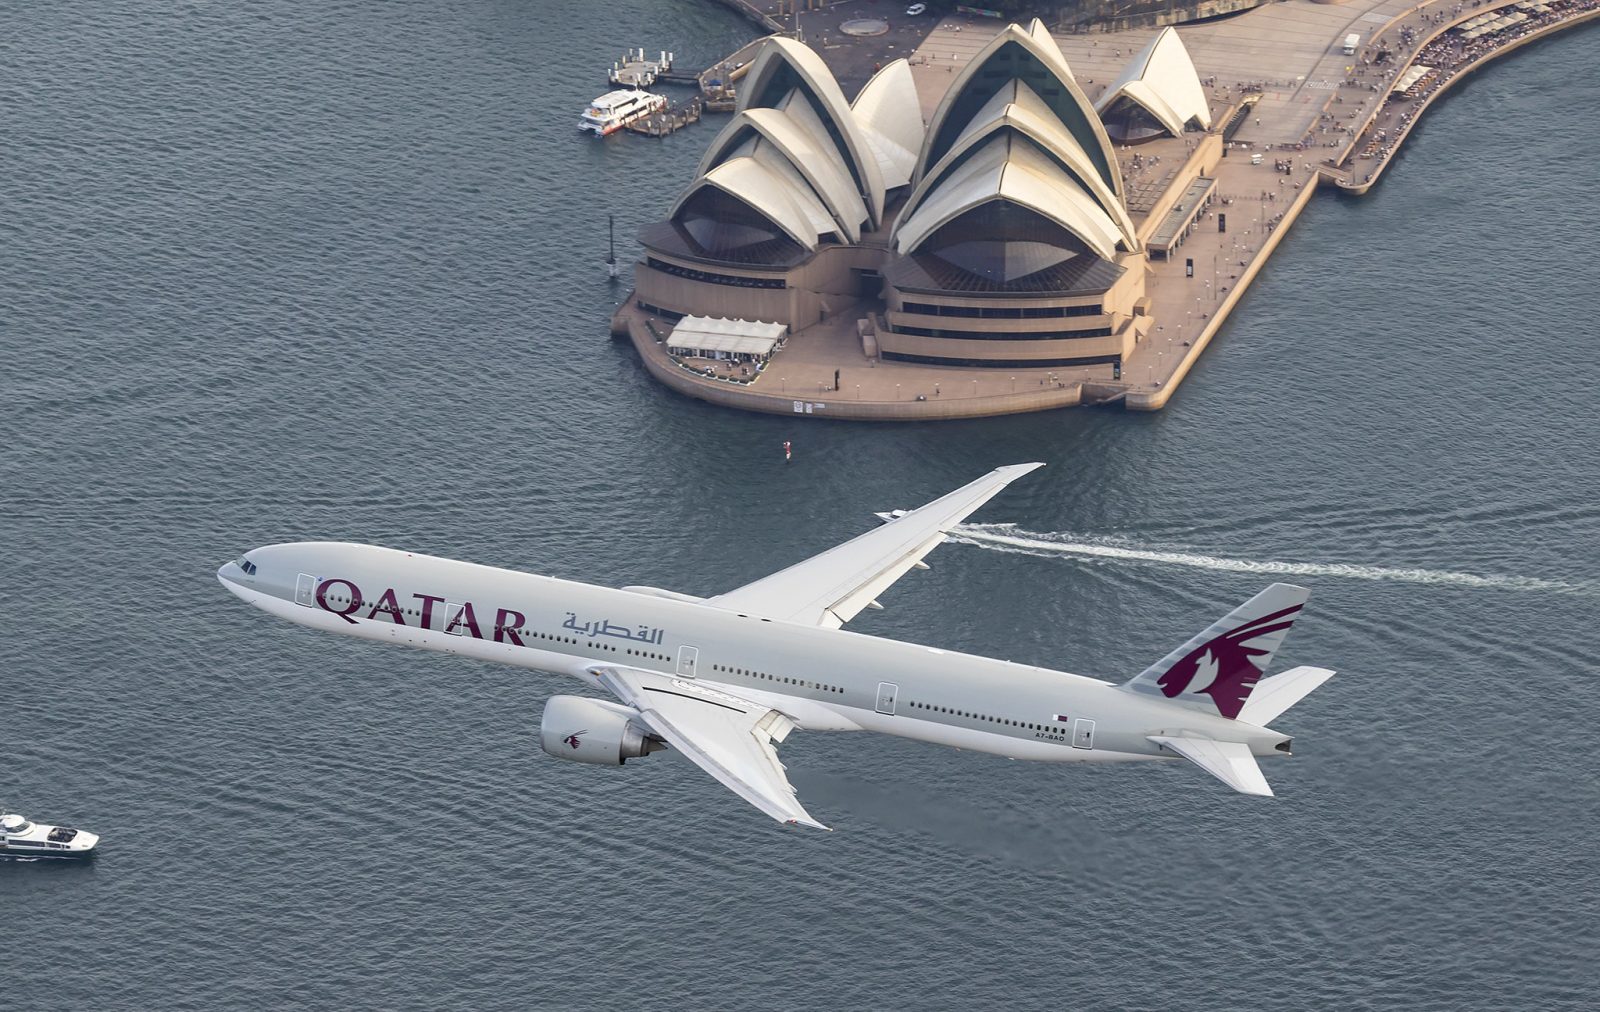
(727, 736)
(830, 589)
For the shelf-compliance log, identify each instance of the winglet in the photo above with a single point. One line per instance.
(1228, 761)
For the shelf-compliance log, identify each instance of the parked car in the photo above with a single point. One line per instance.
(915, 9)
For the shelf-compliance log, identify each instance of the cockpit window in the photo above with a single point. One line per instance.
(246, 565)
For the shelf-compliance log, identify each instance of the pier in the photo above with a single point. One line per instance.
(635, 70)
(669, 120)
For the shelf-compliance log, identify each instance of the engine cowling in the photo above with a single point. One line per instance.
(595, 731)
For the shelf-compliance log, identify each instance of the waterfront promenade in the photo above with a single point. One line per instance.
(1313, 116)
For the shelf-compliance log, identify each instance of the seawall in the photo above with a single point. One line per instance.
(1155, 400)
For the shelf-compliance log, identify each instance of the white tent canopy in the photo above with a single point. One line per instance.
(722, 338)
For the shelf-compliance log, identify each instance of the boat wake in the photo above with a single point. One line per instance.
(1009, 538)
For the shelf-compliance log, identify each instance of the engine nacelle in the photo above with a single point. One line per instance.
(594, 731)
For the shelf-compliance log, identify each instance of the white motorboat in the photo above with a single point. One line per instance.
(616, 109)
(21, 838)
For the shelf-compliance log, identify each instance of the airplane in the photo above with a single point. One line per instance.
(725, 679)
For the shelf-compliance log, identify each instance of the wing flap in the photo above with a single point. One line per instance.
(832, 588)
(726, 735)
(865, 596)
(1228, 761)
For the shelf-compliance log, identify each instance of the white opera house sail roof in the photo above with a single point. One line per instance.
(1017, 179)
(1157, 92)
(797, 166)
(890, 116)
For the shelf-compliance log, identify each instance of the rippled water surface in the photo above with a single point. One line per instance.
(276, 271)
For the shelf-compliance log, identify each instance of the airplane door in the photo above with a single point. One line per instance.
(305, 590)
(453, 626)
(688, 658)
(887, 691)
(1082, 733)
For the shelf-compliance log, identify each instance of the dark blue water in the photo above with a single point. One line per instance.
(275, 271)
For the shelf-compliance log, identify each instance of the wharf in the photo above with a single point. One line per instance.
(635, 70)
(669, 120)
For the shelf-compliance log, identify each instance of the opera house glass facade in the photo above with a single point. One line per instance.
(996, 234)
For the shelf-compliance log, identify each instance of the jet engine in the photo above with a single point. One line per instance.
(594, 731)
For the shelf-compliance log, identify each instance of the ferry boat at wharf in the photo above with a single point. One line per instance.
(616, 109)
(20, 838)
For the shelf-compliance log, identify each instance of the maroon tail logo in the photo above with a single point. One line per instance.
(574, 739)
(1225, 668)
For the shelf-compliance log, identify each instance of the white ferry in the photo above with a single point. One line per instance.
(616, 109)
(21, 838)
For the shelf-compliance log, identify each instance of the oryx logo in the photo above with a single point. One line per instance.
(574, 739)
(1224, 667)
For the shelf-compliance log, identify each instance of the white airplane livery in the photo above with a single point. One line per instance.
(725, 679)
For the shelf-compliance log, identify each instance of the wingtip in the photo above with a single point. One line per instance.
(808, 821)
(1018, 470)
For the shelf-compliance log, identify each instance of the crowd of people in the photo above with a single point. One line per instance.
(1447, 54)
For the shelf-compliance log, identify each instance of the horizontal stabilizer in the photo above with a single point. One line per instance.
(1228, 761)
(1274, 695)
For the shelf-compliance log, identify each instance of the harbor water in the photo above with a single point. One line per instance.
(279, 271)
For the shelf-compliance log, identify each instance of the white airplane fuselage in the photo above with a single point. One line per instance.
(823, 679)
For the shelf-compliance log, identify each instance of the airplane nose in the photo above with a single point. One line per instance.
(228, 573)
(232, 577)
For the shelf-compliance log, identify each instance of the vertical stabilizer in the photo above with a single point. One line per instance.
(1216, 670)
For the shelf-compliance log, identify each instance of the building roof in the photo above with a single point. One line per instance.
(812, 157)
(1011, 169)
(890, 117)
(1018, 108)
(1176, 223)
(1161, 80)
(739, 337)
(783, 67)
(1032, 56)
(768, 186)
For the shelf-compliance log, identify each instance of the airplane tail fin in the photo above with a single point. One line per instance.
(1217, 669)
(1233, 762)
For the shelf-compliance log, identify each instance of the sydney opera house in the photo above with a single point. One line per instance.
(997, 234)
